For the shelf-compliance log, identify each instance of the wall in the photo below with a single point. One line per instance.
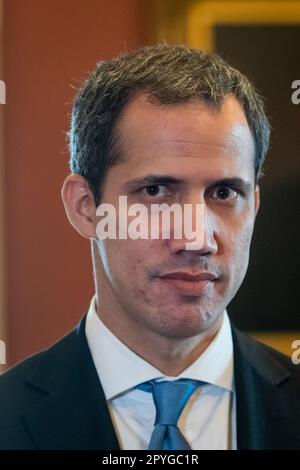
(2, 204)
(49, 46)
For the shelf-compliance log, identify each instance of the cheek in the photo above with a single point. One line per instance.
(130, 264)
(239, 247)
(234, 237)
(120, 269)
(126, 260)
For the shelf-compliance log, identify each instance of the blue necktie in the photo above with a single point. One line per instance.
(170, 398)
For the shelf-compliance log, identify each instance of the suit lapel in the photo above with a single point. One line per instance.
(70, 410)
(267, 415)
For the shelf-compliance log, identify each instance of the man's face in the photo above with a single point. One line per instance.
(194, 154)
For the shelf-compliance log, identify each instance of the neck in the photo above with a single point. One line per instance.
(170, 355)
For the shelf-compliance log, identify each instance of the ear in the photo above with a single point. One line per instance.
(257, 199)
(79, 205)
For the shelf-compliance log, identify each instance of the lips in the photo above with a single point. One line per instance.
(205, 276)
(188, 283)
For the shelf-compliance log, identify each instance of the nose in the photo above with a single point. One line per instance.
(198, 230)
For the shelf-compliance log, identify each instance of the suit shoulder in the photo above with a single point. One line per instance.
(256, 349)
(56, 371)
(14, 381)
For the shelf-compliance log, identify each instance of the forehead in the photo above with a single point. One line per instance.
(152, 134)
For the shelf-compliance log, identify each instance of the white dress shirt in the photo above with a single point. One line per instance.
(208, 421)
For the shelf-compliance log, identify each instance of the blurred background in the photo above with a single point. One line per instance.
(47, 47)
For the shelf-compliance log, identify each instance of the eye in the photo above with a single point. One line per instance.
(156, 190)
(225, 193)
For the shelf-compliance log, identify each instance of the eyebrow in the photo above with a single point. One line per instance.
(153, 179)
(235, 182)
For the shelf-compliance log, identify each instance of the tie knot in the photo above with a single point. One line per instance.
(170, 398)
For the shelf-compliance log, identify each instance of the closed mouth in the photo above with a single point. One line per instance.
(184, 276)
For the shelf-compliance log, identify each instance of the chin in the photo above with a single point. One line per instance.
(186, 324)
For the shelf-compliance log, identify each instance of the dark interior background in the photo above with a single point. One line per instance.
(269, 56)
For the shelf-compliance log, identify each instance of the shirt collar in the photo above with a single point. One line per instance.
(119, 368)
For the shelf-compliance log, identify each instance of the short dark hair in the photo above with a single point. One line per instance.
(168, 74)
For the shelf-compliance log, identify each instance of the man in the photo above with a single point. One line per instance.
(155, 363)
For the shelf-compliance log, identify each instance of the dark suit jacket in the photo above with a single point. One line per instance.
(54, 400)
